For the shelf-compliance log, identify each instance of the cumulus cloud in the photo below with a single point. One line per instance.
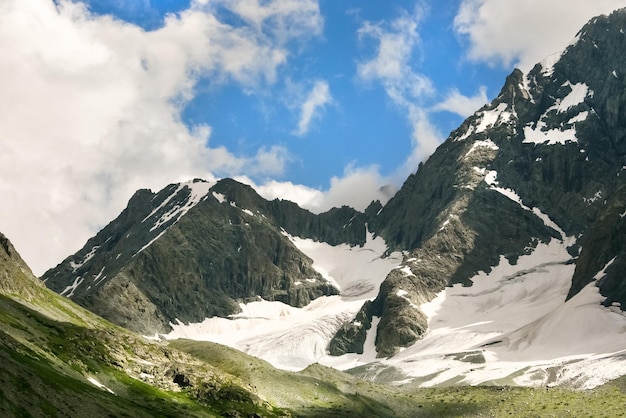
(392, 63)
(523, 33)
(357, 188)
(316, 100)
(90, 112)
(462, 105)
(406, 87)
(304, 196)
(283, 19)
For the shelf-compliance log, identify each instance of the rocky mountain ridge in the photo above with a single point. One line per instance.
(197, 249)
(542, 161)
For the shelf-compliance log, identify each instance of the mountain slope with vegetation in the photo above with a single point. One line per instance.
(59, 359)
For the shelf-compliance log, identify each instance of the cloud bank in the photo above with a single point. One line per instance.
(358, 187)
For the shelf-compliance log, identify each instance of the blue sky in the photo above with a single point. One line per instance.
(319, 101)
(360, 125)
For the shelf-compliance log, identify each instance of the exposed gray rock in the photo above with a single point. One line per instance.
(165, 259)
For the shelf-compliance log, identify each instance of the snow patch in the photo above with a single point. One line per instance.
(513, 323)
(547, 64)
(596, 197)
(582, 116)
(492, 117)
(71, 288)
(99, 277)
(293, 338)
(151, 241)
(406, 270)
(549, 137)
(354, 270)
(369, 347)
(219, 197)
(88, 256)
(489, 144)
(99, 385)
(577, 96)
(197, 190)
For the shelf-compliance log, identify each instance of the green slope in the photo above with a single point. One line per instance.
(50, 348)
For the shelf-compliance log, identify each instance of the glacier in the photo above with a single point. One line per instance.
(510, 327)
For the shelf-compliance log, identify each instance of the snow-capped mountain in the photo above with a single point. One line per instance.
(501, 259)
(195, 250)
(543, 161)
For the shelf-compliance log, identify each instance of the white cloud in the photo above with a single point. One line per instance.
(462, 105)
(357, 188)
(522, 33)
(283, 19)
(392, 67)
(392, 63)
(90, 112)
(316, 100)
(425, 139)
(270, 161)
(304, 196)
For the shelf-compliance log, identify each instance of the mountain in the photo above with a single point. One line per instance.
(196, 249)
(58, 359)
(544, 160)
(500, 261)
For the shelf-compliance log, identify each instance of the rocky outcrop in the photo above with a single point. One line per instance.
(603, 254)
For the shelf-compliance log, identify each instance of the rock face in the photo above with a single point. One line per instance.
(545, 160)
(197, 249)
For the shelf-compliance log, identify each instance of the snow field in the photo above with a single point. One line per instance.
(516, 319)
(512, 326)
(293, 338)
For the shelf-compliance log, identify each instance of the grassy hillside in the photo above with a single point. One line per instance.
(47, 366)
(58, 359)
